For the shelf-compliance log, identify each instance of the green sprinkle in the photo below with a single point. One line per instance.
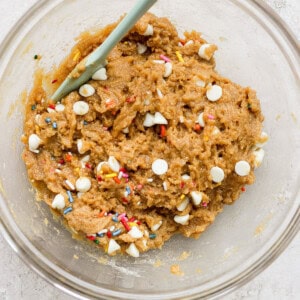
(96, 242)
(85, 122)
(33, 107)
(249, 106)
(36, 56)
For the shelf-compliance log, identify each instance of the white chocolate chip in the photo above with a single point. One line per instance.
(86, 90)
(132, 250)
(200, 83)
(201, 120)
(125, 130)
(81, 108)
(141, 49)
(183, 205)
(185, 177)
(100, 75)
(113, 164)
(262, 140)
(83, 184)
(160, 167)
(196, 197)
(150, 180)
(58, 202)
(215, 130)
(159, 93)
(113, 246)
(182, 219)
(258, 157)
(34, 142)
(188, 43)
(112, 228)
(135, 233)
(149, 30)
(160, 119)
(50, 110)
(86, 158)
(214, 93)
(168, 69)
(181, 119)
(80, 146)
(156, 226)
(242, 168)
(100, 165)
(59, 107)
(217, 174)
(149, 120)
(205, 51)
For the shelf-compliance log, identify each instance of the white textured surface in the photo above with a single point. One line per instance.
(280, 281)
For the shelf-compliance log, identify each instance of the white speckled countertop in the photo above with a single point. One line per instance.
(279, 282)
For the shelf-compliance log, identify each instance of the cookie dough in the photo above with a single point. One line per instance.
(155, 144)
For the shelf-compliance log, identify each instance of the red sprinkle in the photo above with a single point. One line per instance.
(139, 222)
(125, 224)
(91, 238)
(197, 127)
(243, 189)
(163, 131)
(88, 166)
(61, 161)
(117, 180)
(54, 80)
(182, 184)
(130, 99)
(132, 219)
(99, 178)
(68, 157)
(124, 200)
(109, 234)
(123, 170)
(52, 106)
(182, 41)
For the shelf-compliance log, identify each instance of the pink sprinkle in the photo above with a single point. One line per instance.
(204, 204)
(125, 175)
(211, 117)
(121, 216)
(105, 128)
(165, 58)
(139, 186)
(126, 180)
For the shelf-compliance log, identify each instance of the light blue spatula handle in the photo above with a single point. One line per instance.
(98, 56)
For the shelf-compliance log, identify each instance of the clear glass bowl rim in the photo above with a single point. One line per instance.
(47, 270)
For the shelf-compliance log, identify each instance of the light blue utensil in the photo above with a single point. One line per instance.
(96, 59)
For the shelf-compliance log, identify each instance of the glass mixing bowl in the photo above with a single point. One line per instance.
(255, 49)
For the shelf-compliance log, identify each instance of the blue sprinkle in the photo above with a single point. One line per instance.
(152, 236)
(117, 232)
(115, 219)
(128, 190)
(85, 122)
(33, 107)
(100, 234)
(48, 120)
(54, 125)
(70, 197)
(67, 210)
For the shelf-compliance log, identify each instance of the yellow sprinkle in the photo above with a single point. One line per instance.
(77, 170)
(182, 196)
(179, 56)
(132, 224)
(206, 138)
(111, 175)
(77, 55)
